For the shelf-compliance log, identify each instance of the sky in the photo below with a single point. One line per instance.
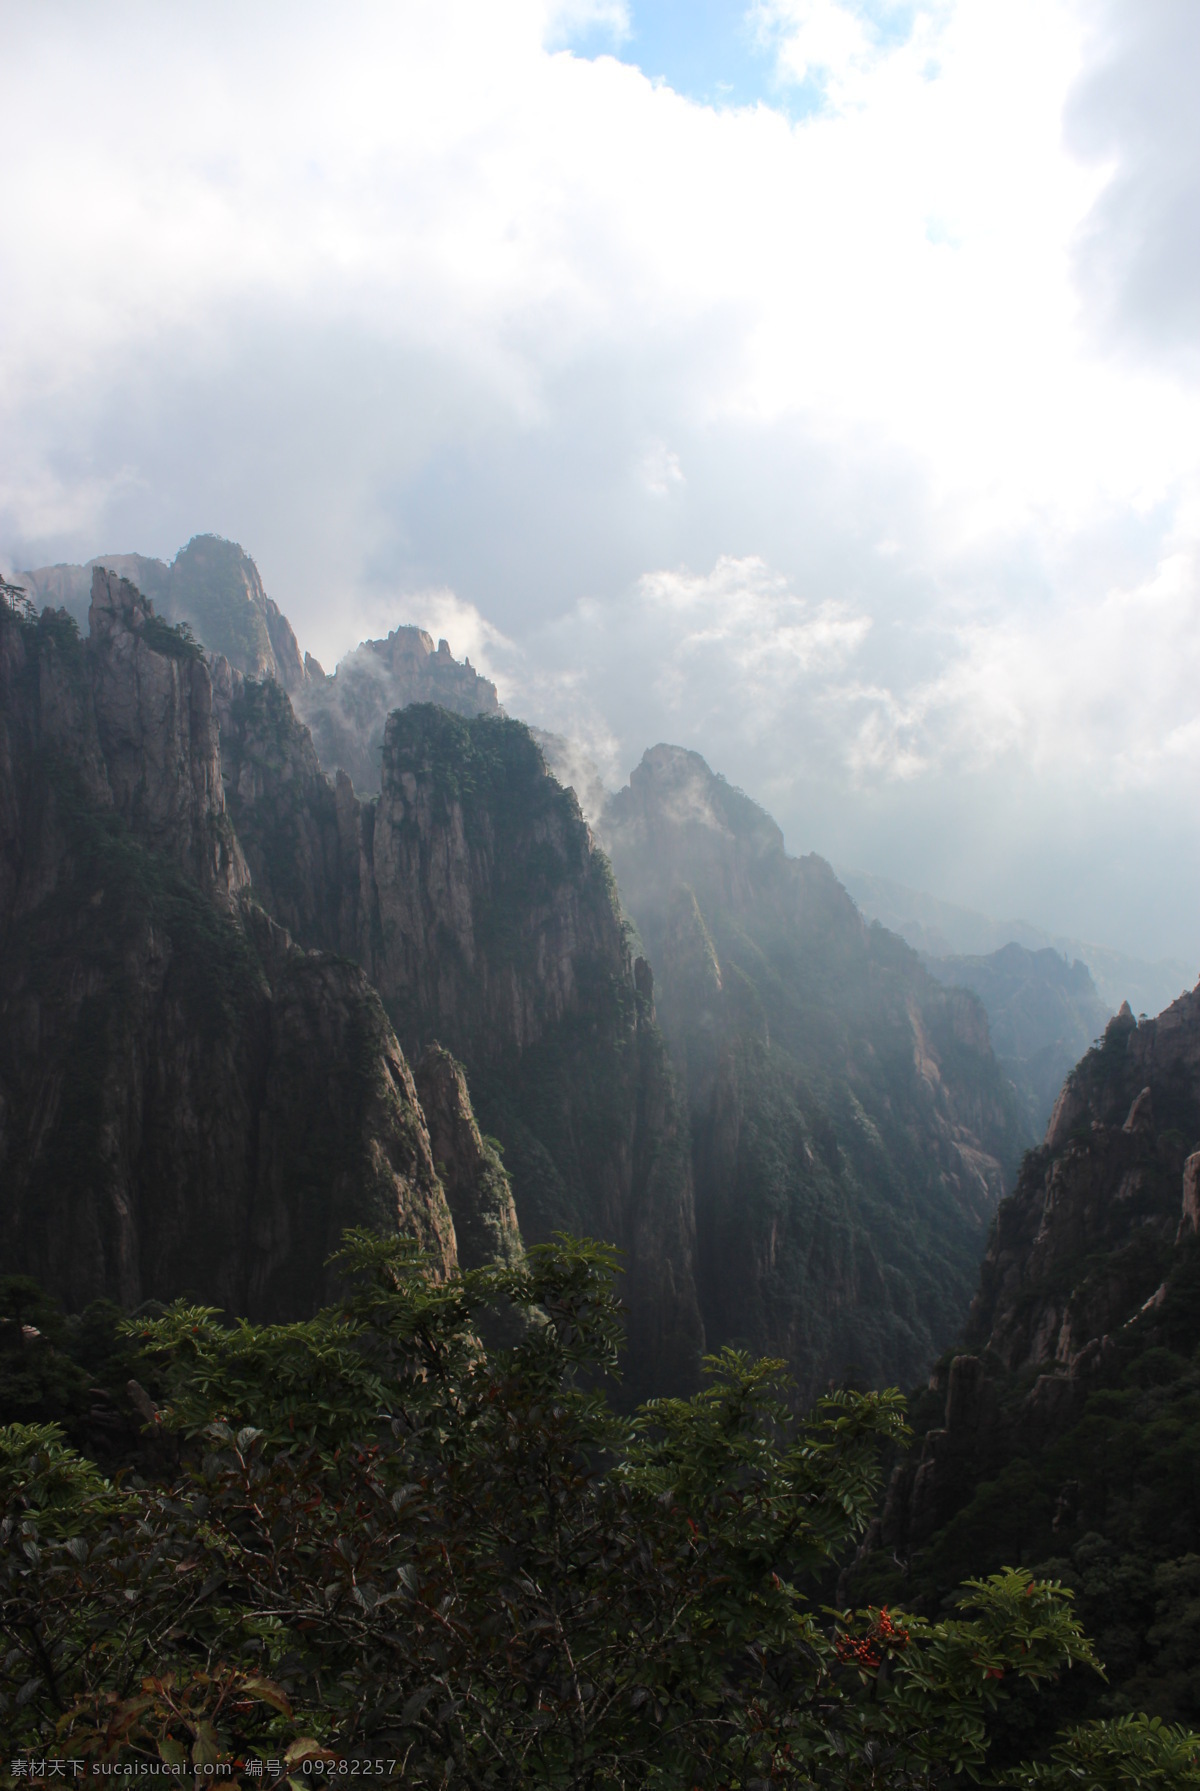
(815, 384)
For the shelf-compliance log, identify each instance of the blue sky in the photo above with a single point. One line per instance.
(721, 52)
(709, 50)
(851, 437)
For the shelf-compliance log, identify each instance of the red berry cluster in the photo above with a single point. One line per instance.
(857, 1651)
(867, 1651)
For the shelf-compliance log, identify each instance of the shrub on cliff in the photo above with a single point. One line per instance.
(373, 1540)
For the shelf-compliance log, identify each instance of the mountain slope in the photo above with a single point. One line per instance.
(942, 929)
(347, 712)
(851, 1131)
(471, 893)
(188, 1102)
(1065, 1431)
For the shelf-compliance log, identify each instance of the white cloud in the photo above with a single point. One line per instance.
(659, 470)
(817, 39)
(436, 316)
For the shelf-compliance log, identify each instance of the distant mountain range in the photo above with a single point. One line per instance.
(1043, 1013)
(942, 930)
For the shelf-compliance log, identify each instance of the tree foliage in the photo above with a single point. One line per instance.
(370, 1538)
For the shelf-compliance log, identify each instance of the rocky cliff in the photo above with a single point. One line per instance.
(1064, 1432)
(189, 1102)
(468, 1165)
(851, 1132)
(212, 585)
(471, 893)
(215, 589)
(1087, 1235)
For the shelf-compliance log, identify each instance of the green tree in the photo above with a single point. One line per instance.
(381, 1541)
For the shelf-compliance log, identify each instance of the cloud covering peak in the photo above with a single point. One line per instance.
(848, 433)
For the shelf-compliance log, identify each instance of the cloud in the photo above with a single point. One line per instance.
(659, 470)
(1133, 114)
(822, 42)
(706, 659)
(857, 448)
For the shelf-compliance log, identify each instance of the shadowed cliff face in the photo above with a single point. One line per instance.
(188, 1101)
(1086, 1236)
(1082, 1257)
(152, 696)
(851, 1131)
(1066, 1434)
(471, 893)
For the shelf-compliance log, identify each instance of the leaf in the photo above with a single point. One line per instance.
(306, 1748)
(267, 1692)
(206, 1749)
(414, 1705)
(173, 1753)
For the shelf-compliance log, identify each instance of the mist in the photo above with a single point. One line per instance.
(844, 430)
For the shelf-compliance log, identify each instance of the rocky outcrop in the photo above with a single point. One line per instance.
(189, 1102)
(851, 1133)
(927, 1485)
(212, 585)
(347, 712)
(468, 1165)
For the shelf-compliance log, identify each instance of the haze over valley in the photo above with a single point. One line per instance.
(599, 1004)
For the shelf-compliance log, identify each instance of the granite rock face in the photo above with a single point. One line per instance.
(851, 1133)
(189, 1102)
(472, 894)
(468, 1165)
(158, 736)
(1109, 1184)
(1082, 1255)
